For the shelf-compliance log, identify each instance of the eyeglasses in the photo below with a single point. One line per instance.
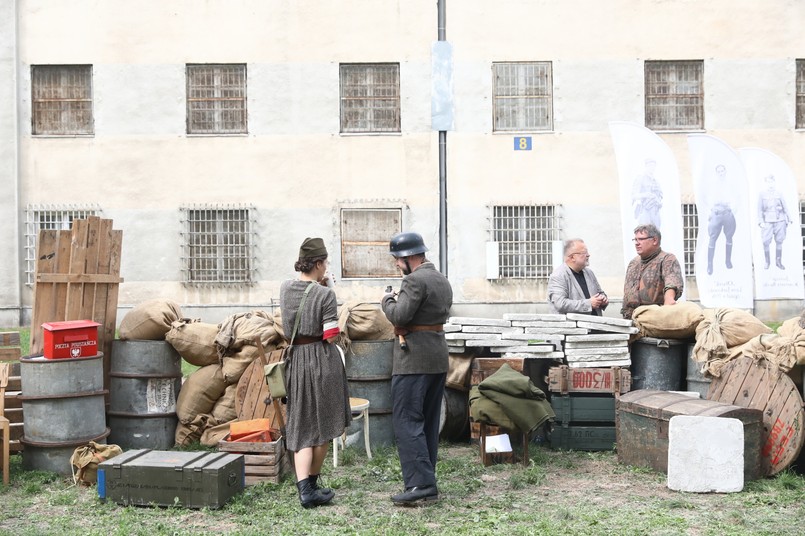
(640, 239)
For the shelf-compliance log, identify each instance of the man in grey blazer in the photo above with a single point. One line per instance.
(573, 287)
(419, 366)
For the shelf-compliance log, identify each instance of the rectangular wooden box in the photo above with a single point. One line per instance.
(264, 462)
(145, 477)
(564, 380)
(582, 437)
(483, 367)
(588, 409)
(642, 426)
(71, 338)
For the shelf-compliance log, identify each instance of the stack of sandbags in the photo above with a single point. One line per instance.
(150, 320)
(677, 321)
(236, 338)
(198, 401)
(721, 334)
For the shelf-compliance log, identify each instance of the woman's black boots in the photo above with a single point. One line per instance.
(309, 496)
(327, 492)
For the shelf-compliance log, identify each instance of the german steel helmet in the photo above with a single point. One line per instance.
(406, 244)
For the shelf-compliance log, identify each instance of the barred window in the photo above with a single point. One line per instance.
(365, 234)
(800, 93)
(524, 236)
(370, 97)
(61, 100)
(523, 96)
(49, 217)
(217, 244)
(216, 99)
(690, 233)
(674, 95)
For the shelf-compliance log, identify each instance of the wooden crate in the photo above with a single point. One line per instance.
(483, 367)
(10, 352)
(265, 462)
(564, 380)
(642, 419)
(582, 437)
(578, 409)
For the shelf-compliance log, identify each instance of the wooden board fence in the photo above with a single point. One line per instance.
(77, 278)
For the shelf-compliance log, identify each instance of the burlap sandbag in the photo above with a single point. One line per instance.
(213, 435)
(194, 340)
(277, 317)
(243, 328)
(150, 320)
(669, 321)
(791, 327)
(233, 366)
(360, 321)
(224, 409)
(458, 371)
(724, 328)
(199, 393)
(778, 350)
(191, 432)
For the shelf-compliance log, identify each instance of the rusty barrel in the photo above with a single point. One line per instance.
(368, 366)
(63, 403)
(144, 381)
(658, 363)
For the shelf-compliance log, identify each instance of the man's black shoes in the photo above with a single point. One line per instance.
(416, 496)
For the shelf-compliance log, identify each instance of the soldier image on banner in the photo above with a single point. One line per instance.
(773, 219)
(647, 196)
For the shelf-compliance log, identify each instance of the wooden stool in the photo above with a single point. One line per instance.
(360, 409)
(489, 458)
(5, 427)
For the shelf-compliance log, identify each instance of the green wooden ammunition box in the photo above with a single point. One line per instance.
(144, 477)
(573, 437)
(578, 409)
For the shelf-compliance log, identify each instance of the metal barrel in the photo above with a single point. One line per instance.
(63, 403)
(696, 380)
(454, 420)
(144, 381)
(368, 367)
(658, 363)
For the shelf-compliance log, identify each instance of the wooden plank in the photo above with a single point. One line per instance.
(78, 278)
(9, 354)
(78, 258)
(107, 329)
(44, 296)
(10, 338)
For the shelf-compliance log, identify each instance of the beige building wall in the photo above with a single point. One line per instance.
(297, 170)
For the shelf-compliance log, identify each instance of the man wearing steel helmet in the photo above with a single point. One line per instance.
(419, 370)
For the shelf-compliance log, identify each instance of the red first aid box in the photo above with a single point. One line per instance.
(71, 338)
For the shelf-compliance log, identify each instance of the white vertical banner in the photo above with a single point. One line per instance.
(649, 186)
(723, 249)
(774, 220)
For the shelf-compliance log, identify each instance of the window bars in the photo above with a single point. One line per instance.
(523, 96)
(370, 97)
(49, 217)
(690, 233)
(61, 100)
(217, 244)
(525, 235)
(674, 95)
(216, 99)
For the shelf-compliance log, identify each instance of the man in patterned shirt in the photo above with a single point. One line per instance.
(654, 276)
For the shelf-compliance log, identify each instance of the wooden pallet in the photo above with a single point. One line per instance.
(77, 278)
(10, 352)
(564, 380)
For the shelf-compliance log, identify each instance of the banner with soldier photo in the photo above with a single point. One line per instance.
(774, 223)
(723, 249)
(649, 186)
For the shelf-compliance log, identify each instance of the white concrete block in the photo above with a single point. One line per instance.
(483, 329)
(533, 316)
(543, 324)
(608, 328)
(557, 331)
(472, 321)
(606, 320)
(451, 328)
(589, 364)
(705, 454)
(599, 337)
